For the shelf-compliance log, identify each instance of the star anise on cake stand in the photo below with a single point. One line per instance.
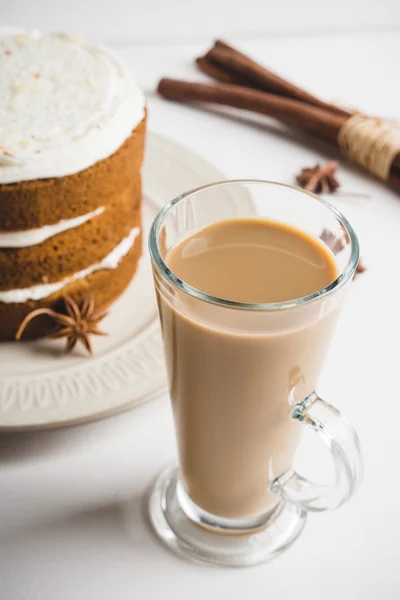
(77, 325)
(319, 179)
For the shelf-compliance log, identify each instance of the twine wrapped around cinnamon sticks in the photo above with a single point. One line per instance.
(371, 143)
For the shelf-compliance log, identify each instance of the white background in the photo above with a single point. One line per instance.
(72, 512)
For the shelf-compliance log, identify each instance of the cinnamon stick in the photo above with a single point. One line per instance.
(225, 63)
(318, 121)
(215, 72)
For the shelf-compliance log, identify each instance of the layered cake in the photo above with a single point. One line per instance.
(72, 129)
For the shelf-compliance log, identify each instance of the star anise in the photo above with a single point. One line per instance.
(77, 325)
(335, 243)
(319, 179)
(360, 268)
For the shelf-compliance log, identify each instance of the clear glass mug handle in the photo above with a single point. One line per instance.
(344, 446)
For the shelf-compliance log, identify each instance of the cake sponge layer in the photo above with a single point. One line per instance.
(32, 204)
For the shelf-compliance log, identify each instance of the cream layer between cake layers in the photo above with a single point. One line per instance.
(32, 237)
(37, 292)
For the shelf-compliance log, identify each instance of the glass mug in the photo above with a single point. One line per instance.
(242, 384)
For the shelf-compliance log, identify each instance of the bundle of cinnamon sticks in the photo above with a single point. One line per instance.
(245, 84)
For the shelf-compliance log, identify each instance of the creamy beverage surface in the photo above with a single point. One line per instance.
(233, 387)
(253, 260)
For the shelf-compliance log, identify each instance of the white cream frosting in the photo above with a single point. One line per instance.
(31, 237)
(64, 105)
(37, 292)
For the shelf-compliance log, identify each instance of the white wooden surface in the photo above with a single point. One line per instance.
(72, 510)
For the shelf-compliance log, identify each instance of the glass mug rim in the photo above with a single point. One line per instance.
(344, 276)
